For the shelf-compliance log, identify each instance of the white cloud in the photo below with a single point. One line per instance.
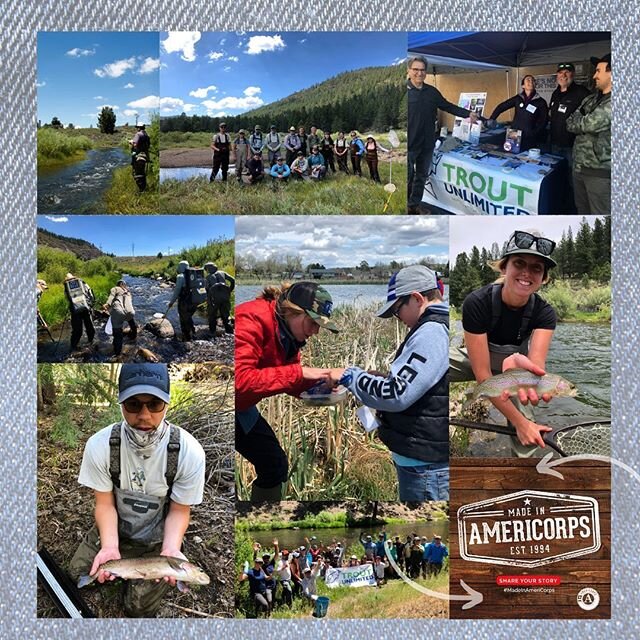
(233, 59)
(130, 112)
(227, 69)
(148, 102)
(202, 92)
(128, 86)
(98, 97)
(170, 105)
(100, 107)
(57, 218)
(233, 104)
(41, 84)
(260, 44)
(252, 91)
(149, 65)
(302, 41)
(215, 55)
(398, 60)
(79, 53)
(183, 42)
(219, 114)
(115, 69)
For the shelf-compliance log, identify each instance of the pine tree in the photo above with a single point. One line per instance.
(107, 120)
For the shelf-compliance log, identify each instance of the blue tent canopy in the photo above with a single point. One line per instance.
(507, 48)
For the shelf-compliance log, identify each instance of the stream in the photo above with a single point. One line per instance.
(78, 187)
(149, 296)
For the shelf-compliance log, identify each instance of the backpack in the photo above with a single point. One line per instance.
(195, 291)
(78, 296)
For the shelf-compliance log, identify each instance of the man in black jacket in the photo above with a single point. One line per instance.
(423, 104)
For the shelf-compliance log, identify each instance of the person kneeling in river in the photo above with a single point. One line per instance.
(507, 325)
(412, 402)
(145, 473)
(270, 331)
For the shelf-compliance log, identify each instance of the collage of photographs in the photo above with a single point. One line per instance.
(302, 350)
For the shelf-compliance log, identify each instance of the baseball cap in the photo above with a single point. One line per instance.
(595, 61)
(316, 302)
(527, 242)
(565, 66)
(135, 379)
(416, 277)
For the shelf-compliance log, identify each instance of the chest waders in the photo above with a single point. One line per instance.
(140, 516)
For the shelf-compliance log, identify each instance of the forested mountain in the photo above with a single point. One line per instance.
(370, 99)
(80, 248)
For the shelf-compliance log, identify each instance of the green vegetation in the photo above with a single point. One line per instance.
(371, 98)
(334, 195)
(81, 248)
(107, 120)
(574, 302)
(56, 147)
(185, 140)
(123, 195)
(322, 520)
(330, 455)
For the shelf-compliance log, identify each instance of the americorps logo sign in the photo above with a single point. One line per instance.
(529, 528)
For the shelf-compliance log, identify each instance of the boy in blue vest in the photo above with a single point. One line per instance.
(412, 402)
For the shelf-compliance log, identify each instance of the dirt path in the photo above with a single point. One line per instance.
(175, 158)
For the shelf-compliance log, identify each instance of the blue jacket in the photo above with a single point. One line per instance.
(316, 160)
(280, 170)
(435, 553)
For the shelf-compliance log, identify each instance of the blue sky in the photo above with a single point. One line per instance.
(79, 73)
(233, 72)
(339, 241)
(149, 234)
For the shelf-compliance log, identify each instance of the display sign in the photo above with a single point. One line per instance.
(360, 576)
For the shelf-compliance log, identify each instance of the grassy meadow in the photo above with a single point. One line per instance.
(331, 457)
(336, 194)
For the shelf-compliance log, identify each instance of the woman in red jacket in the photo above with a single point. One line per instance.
(270, 331)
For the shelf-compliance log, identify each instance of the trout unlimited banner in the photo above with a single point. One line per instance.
(464, 185)
(360, 576)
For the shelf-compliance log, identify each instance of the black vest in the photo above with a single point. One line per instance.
(422, 430)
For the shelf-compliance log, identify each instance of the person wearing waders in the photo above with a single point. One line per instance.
(371, 156)
(273, 144)
(218, 297)
(140, 143)
(145, 473)
(256, 140)
(241, 150)
(356, 150)
(326, 149)
(80, 299)
(292, 144)
(220, 147)
(507, 325)
(412, 401)
(313, 139)
(186, 304)
(119, 304)
(258, 591)
(342, 152)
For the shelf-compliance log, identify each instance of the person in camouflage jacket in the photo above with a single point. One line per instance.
(591, 123)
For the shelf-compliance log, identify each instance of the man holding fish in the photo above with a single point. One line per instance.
(145, 473)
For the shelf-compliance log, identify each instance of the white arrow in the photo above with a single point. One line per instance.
(472, 598)
(544, 466)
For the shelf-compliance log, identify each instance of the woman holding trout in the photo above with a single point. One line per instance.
(507, 325)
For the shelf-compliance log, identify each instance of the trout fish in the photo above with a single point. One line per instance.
(515, 379)
(152, 568)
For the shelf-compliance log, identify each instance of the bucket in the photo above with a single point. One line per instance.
(322, 604)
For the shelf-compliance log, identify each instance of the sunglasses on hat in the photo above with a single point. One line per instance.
(524, 240)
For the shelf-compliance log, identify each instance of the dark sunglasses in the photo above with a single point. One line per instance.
(524, 240)
(396, 309)
(564, 66)
(133, 405)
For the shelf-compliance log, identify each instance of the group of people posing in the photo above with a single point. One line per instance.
(279, 577)
(576, 124)
(297, 155)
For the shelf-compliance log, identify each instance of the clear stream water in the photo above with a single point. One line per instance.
(78, 187)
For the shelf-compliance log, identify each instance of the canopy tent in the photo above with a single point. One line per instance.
(494, 50)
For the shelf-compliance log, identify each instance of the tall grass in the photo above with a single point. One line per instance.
(335, 194)
(55, 146)
(330, 455)
(123, 195)
(574, 300)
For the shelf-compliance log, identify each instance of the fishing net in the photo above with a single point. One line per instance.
(589, 438)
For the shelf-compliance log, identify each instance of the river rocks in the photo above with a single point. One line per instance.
(160, 327)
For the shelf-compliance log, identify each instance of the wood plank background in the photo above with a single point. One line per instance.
(476, 479)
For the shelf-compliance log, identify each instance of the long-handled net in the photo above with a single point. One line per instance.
(592, 437)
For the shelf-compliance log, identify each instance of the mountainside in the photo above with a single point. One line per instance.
(373, 99)
(81, 248)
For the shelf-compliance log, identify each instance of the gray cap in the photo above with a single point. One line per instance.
(413, 278)
(513, 249)
(136, 379)
(183, 265)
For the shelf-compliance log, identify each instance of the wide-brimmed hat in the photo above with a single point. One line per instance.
(416, 277)
(316, 302)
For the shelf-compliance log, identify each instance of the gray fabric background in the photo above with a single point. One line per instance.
(21, 21)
